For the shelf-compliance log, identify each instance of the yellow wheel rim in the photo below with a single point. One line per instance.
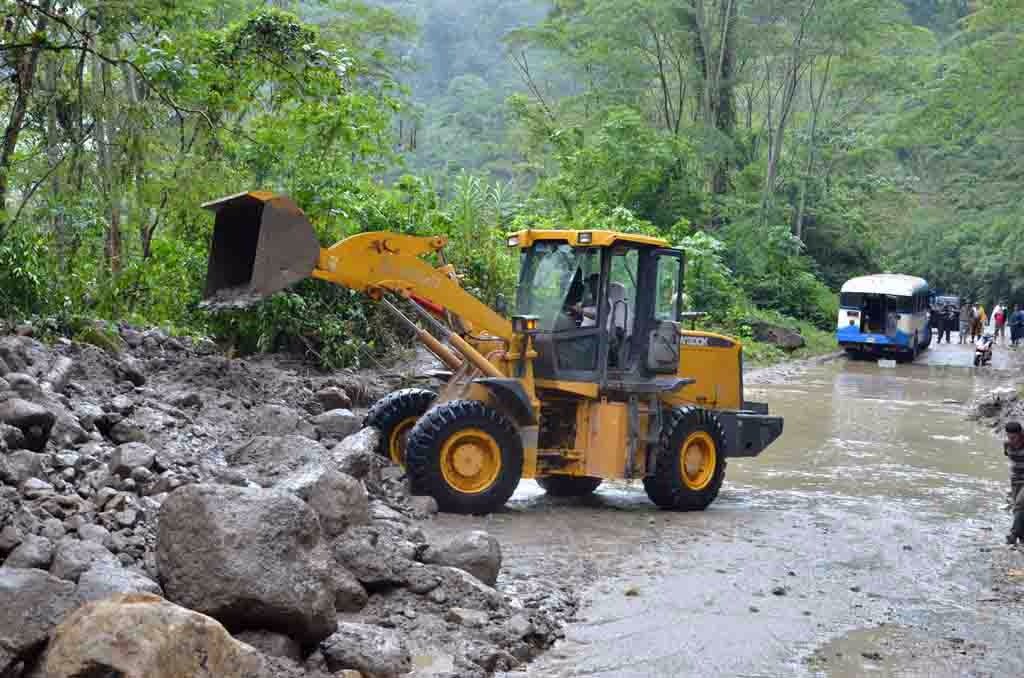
(470, 461)
(697, 460)
(398, 439)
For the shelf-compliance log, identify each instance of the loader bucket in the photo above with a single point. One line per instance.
(262, 243)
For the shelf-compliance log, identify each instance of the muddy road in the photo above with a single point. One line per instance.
(867, 541)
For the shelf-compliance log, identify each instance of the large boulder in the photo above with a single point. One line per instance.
(33, 603)
(269, 460)
(783, 337)
(337, 424)
(278, 420)
(103, 580)
(130, 456)
(370, 649)
(248, 557)
(340, 501)
(72, 557)
(375, 557)
(33, 552)
(22, 465)
(357, 455)
(272, 644)
(35, 421)
(333, 398)
(143, 636)
(477, 553)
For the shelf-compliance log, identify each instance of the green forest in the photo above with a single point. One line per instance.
(786, 145)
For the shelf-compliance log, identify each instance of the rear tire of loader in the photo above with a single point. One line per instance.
(394, 416)
(569, 486)
(466, 455)
(689, 467)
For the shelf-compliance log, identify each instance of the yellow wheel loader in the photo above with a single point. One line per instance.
(593, 377)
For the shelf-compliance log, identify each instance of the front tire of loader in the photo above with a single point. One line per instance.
(690, 464)
(394, 416)
(466, 455)
(569, 486)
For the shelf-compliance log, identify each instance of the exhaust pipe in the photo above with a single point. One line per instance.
(262, 243)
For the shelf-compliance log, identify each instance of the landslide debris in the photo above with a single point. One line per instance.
(232, 509)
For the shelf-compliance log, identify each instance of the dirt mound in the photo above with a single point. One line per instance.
(95, 439)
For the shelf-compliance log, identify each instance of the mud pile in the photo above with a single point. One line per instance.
(160, 482)
(999, 406)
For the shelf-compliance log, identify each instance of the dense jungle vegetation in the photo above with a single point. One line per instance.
(785, 144)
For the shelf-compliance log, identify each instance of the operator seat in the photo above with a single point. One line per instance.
(619, 324)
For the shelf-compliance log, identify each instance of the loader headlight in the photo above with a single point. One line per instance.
(585, 238)
(524, 324)
(513, 241)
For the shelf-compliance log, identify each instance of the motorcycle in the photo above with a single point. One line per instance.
(983, 350)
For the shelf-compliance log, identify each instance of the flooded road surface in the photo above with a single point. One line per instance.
(867, 541)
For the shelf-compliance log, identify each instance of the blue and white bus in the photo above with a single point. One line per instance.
(886, 314)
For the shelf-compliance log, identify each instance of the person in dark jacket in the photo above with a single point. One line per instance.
(1016, 325)
(948, 323)
(1013, 448)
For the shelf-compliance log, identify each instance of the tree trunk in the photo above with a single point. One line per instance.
(110, 184)
(725, 99)
(25, 65)
(816, 101)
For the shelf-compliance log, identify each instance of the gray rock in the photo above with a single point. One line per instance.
(131, 369)
(272, 644)
(333, 398)
(267, 460)
(95, 533)
(26, 386)
(22, 465)
(34, 488)
(35, 421)
(247, 557)
(477, 553)
(73, 557)
(142, 475)
(88, 414)
(11, 436)
(466, 617)
(423, 506)
(349, 594)
(519, 626)
(337, 424)
(783, 337)
(375, 557)
(278, 420)
(127, 431)
(340, 501)
(370, 649)
(10, 538)
(185, 399)
(356, 455)
(128, 456)
(66, 432)
(33, 552)
(33, 604)
(131, 337)
(66, 460)
(103, 580)
(122, 404)
(53, 529)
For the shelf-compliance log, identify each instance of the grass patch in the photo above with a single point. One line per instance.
(108, 340)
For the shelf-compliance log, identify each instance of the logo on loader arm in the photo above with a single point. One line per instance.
(695, 341)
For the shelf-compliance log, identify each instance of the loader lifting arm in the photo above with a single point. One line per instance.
(263, 243)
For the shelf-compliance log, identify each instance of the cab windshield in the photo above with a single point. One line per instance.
(558, 284)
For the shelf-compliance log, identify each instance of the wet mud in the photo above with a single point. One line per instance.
(867, 541)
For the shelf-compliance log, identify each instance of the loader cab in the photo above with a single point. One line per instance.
(608, 304)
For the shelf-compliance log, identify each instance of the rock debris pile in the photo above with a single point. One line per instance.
(168, 511)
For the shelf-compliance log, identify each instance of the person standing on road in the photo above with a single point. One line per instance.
(947, 318)
(979, 321)
(999, 323)
(1016, 325)
(1013, 448)
(965, 321)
